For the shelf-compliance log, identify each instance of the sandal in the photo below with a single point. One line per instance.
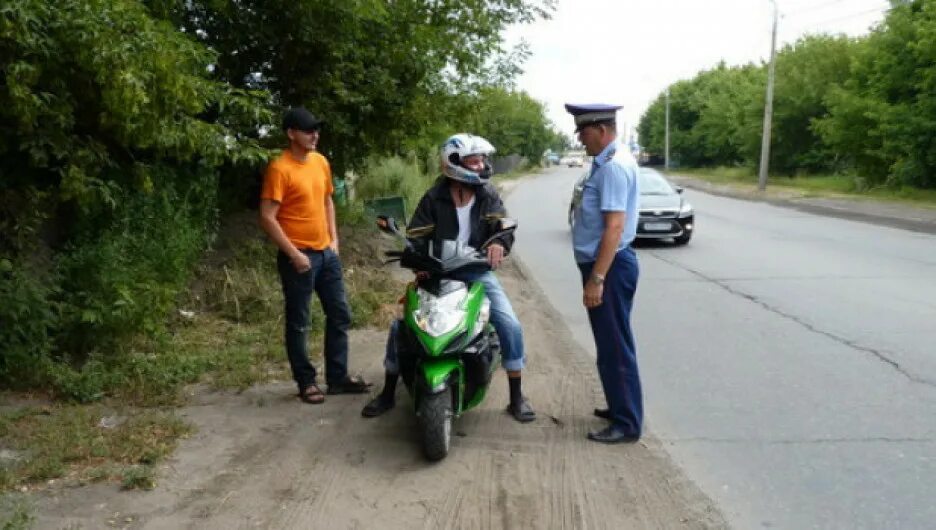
(312, 395)
(522, 412)
(350, 385)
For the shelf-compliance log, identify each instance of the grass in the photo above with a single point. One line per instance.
(226, 332)
(84, 443)
(15, 512)
(111, 418)
(815, 185)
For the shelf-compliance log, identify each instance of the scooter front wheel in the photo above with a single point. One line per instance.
(435, 424)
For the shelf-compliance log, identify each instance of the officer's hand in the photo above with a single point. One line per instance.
(495, 254)
(301, 262)
(592, 295)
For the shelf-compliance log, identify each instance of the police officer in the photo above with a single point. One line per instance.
(605, 225)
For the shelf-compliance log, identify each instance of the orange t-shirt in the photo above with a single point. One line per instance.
(300, 188)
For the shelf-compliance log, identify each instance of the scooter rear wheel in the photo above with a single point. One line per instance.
(435, 424)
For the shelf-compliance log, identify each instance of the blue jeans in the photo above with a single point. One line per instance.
(614, 341)
(503, 318)
(325, 279)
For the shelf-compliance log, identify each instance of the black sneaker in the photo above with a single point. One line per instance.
(377, 406)
(522, 411)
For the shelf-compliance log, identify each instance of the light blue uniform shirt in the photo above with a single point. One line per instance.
(611, 187)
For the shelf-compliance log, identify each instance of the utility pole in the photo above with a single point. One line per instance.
(666, 135)
(768, 107)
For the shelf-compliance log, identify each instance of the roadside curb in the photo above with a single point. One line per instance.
(871, 211)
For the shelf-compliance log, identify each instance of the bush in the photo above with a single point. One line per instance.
(26, 316)
(123, 281)
(394, 176)
(70, 327)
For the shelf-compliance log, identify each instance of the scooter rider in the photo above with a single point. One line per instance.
(462, 205)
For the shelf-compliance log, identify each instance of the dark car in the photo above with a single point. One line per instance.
(664, 212)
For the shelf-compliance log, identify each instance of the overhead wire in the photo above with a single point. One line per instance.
(810, 9)
(805, 26)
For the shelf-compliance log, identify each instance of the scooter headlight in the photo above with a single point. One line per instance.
(440, 315)
(484, 314)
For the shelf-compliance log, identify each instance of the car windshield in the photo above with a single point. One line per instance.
(653, 184)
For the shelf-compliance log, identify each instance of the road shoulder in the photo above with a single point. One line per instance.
(878, 212)
(262, 459)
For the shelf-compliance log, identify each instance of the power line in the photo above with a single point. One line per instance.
(801, 27)
(810, 9)
(854, 15)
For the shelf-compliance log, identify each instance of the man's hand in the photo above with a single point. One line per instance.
(334, 245)
(592, 295)
(301, 262)
(495, 254)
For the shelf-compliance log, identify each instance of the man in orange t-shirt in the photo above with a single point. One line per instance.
(297, 212)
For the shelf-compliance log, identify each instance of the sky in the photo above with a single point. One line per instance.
(626, 52)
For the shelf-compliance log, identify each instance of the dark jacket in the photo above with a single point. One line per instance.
(435, 217)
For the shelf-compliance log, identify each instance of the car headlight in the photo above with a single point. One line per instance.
(440, 315)
(686, 208)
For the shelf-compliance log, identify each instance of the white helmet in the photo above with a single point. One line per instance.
(458, 147)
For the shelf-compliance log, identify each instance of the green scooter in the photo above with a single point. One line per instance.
(446, 347)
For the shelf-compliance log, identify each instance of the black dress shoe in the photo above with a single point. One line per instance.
(604, 414)
(612, 435)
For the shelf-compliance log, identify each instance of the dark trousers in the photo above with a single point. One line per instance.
(614, 341)
(325, 279)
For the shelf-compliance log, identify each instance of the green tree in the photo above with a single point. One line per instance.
(112, 135)
(883, 119)
(806, 73)
(513, 121)
(120, 118)
(708, 116)
(379, 72)
(96, 93)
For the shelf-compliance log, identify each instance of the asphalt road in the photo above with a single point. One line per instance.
(788, 358)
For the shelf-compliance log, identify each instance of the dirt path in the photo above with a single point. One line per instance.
(261, 459)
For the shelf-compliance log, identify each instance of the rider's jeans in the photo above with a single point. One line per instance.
(503, 318)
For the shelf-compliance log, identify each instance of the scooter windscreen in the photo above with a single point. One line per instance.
(441, 258)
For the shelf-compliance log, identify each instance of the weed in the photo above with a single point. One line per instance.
(226, 330)
(138, 477)
(15, 512)
(78, 441)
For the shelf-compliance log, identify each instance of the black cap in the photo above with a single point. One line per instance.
(300, 119)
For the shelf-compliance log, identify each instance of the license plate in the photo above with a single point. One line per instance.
(657, 227)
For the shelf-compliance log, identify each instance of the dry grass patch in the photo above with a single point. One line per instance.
(84, 443)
